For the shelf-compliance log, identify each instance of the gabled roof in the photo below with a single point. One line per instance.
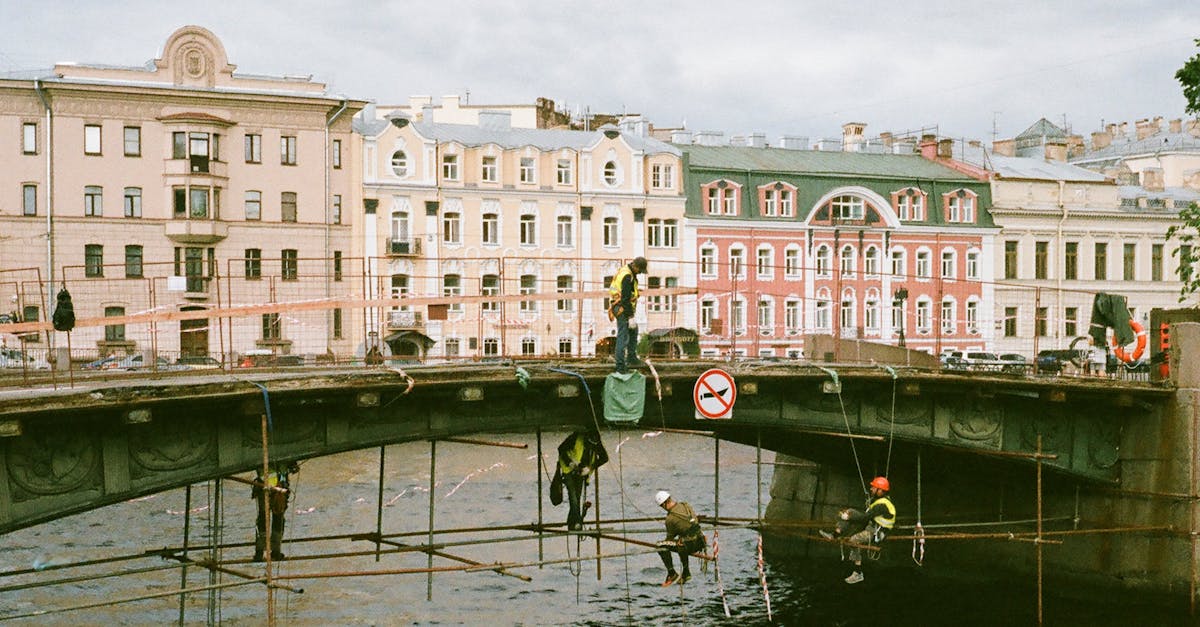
(819, 162)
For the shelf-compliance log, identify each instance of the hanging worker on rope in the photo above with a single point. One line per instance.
(860, 528)
(274, 500)
(579, 456)
(683, 537)
(623, 296)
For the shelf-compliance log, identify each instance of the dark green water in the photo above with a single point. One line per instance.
(483, 486)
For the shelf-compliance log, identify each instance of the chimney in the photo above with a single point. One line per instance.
(1111, 129)
(1102, 139)
(1144, 128)
(681, 137)
(495, 120)
(758, 140)
(737, 140)
(793, 142)
(450, 102)
(1152, 179)
(1123, 129)
(945, 149)
(929, 147)
(368, 113)
(852, 133)
(427, 112)
(1075, 146)
(886, 138)
(1005, 147)
(1056, 150)
(709, 138)
(416, 103)
(1156, 123)
(1176, 125)
(904, 146)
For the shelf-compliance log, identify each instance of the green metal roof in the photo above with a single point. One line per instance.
(818, 162)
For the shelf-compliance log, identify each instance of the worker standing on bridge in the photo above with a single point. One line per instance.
(581, 454)
(865, 527)
(683, 536)
(623, 296)
(275, 500)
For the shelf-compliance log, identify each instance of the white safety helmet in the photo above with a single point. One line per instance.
(661, 497)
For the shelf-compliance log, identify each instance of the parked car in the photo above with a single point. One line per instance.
(1051, 361)
(138, 362)
(102, 363)
(195, 362)
(261, 358)
(982, 361)
(952, 361)
(1014, 363)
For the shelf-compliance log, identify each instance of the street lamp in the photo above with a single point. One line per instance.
(899, 297)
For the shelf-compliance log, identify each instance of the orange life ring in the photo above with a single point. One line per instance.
(1138, 350)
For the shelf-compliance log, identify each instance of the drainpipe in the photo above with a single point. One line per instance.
(328, 188)
(41, 93)
(1058, 293)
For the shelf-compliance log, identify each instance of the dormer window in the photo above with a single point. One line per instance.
(847, 207)
(960, 207)
(910, 204)
(721, 198)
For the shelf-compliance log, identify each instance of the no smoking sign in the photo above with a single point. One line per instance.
(714, 395)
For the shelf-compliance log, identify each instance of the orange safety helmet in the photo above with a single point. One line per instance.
(881, 483)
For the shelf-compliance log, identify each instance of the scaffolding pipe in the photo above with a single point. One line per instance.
(141, 597)
(487, 442)
(379, 503)
(596, 492)
(1038, 543)
(266, 510)
(432, 477)
(187, 525)
(537, 469)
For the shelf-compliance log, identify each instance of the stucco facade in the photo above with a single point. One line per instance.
(115, 179)
(490, 209)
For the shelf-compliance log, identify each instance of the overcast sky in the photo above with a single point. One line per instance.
(781, 67)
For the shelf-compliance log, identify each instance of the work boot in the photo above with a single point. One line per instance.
(276, 547)
(278, 556)
(672, 577)
(686, 577)
(855, 577)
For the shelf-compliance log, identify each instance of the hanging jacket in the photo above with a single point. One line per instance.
(1110, 310)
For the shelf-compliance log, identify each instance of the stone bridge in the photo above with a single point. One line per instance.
(70, 450)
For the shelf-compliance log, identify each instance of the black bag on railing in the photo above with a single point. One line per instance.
(64, 312)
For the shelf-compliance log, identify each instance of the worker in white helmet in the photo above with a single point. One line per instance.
(683, 536)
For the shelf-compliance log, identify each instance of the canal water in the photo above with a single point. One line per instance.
(480, 486)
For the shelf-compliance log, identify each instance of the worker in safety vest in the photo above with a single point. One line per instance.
(622, 296)
(683, 536)
(865, 527)
(578, 457)
(273, 499)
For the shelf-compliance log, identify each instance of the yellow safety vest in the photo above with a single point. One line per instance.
(576, 454)
(885, 521)
(614, 289)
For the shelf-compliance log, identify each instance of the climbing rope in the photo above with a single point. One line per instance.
(891, 423)
(624, 530)
(658, 392)
(846, 419)
(918, 550)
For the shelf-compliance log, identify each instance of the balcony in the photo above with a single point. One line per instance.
(199, 170)
(404, 247)
(196, 231)
(398, 320)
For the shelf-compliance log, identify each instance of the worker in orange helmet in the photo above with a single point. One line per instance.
(865, 527)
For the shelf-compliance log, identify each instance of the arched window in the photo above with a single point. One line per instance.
(847, 261)
(824, 267)
(400, 164)
(871, 261)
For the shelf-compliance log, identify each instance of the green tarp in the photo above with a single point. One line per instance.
(624, 397)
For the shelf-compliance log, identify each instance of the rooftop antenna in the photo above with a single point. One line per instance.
(995, 117)
(467, 98)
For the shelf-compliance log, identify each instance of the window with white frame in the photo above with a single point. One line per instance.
(960, 207)
(764, 264)
(847, 261)
(450, 167)
(566, 346)
(528, 226)
(662, 176)
(528, 346)
(29, 137)
(562, 171)
(662, 233)
(708, 311)
(823, 262)
(910, 205)
(133, 202)
(489, 232)
(400, 164)
(787, 203)
(791, 316)
(708, 262)
(973, 317)
(491, 346)
(528, 171)
(93, 200)
(528, 286)
(729, 201)
(924, 315)
(949, 264)
(452, 227)
(847, 207)
(452, 288)
(924, 269)
(898, 316)
(973, 264)
(770, 203)
(949, 323)
(564, 231)
(612, 232)
(871, 261)
(489, 171)
(400, 284)
(451, 347)
(791, 263)
(847, 315)
(737, 262)
(564, 284)
(489, 285)
(737, 311)
(91, 139)
(899, 264)
(821, 318)
(871, 314)
(29, 199)
(766, 316)
(611, 173)
(399, 222)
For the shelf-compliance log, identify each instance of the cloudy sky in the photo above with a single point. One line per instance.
(781, 67)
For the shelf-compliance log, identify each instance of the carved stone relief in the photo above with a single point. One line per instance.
(52, 462)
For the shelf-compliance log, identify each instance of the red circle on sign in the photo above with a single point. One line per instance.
(714, 393)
